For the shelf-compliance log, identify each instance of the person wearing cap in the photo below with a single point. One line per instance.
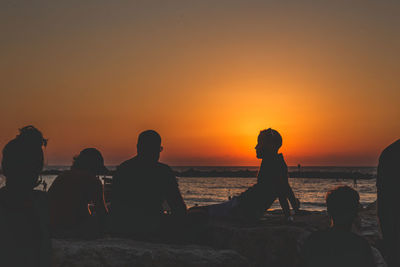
(73, 191)
(272, 183)
(140, 187)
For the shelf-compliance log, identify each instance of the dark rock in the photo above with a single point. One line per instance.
(124, 252)
(270, 242)
(273, 242)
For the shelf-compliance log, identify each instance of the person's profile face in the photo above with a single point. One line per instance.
(263, 147)
(259, 148)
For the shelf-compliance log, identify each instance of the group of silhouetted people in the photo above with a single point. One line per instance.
(74, 206)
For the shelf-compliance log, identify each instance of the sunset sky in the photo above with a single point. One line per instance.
(207, 75)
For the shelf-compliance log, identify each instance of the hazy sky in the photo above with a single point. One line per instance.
(207, 75)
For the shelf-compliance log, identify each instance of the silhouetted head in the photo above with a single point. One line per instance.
(90, 159)
(269, 141)
(149, 146)
(343, 204)
(23, 159)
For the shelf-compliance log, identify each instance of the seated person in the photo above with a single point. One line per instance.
(73, 191)
(272, 183)
(24, 219)
(140, 187)
(338, 246)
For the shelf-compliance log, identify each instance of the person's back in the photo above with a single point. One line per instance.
(387, 183)
(333, 248)
(338, 246)
(139, 191)
(71, 193)
(140, 187)
(273, 170)
(69, 196)
(21, 226)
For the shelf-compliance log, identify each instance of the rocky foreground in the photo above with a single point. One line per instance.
(270, 242)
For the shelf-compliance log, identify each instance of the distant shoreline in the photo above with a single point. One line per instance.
(322, 172)
(252, 174)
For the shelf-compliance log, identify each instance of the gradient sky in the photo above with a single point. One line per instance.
(207, 75)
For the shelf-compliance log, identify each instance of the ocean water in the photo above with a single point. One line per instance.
(212, 190)
(310, 191)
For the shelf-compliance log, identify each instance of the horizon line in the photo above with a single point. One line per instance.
(244, 166)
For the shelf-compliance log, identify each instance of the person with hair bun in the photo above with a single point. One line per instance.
(71, 195)
(25, 238)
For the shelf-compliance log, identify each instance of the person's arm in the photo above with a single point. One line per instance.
(115, 184)
(285, 206)
(174, 197)
(117, 188)
(282, 186)
(99, 203)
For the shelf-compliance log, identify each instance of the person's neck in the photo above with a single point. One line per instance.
(145, 160)
(87, 171)
(269, 154)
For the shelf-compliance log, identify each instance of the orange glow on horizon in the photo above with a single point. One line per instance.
(207, 79)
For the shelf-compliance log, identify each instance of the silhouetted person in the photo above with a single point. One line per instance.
(140, 186)
(339, 246)
(272, 183)
(73, 191)
(388, 184)
(24, 231)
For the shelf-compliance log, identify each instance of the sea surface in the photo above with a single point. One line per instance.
(212, 190)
